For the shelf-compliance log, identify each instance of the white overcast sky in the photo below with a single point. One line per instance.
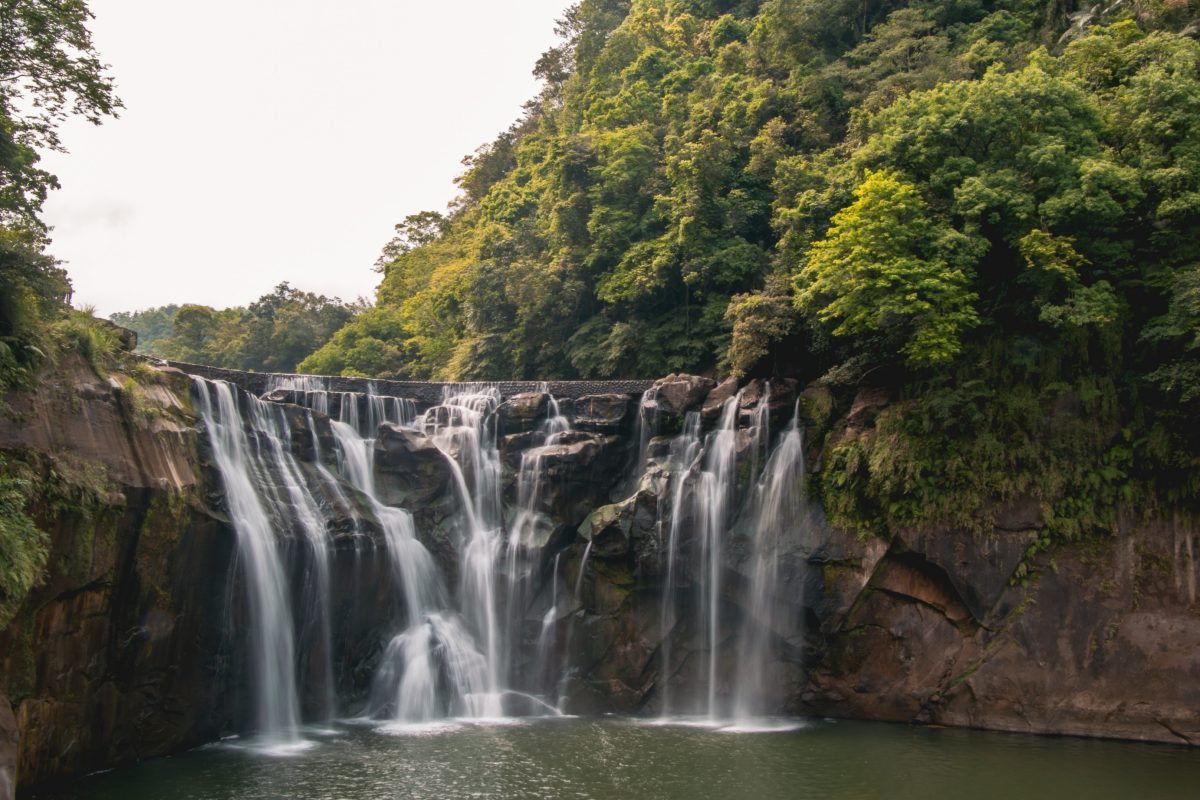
(273, 140)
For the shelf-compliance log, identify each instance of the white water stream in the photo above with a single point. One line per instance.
(465, 653)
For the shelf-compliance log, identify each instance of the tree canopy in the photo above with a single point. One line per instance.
(272, 334)
(49, 70)
(987, 206)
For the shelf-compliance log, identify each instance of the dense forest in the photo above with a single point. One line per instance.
(272, 334)
(986, 207)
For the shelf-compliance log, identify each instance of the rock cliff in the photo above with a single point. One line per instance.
(124, 651)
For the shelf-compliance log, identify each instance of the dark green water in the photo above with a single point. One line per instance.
(613, 758)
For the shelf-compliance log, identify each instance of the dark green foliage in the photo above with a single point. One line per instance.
(23, 547)
(153, 326)
(33, 292)
(987, 206)
(48, 71)
(272, 334)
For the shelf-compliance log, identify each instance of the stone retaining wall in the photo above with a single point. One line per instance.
(422, 392)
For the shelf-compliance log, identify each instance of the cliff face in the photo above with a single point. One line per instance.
(126, 651)
(112, 657)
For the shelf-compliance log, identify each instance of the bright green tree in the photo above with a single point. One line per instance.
(887, 271)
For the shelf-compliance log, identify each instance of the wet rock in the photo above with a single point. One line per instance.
(781, 401)
(717, 398)
(513, 444)
(310, 433)
(630, 525)
(608, 529)
(602, 413)
(578, 473)
(523, 412)
(284, 396)
(678, 394)
(410, 468)
(753, 393)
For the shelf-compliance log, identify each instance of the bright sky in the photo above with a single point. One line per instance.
(272, 140)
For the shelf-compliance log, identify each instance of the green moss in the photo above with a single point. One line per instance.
(950, 456)
(817, 406)
(24, 547)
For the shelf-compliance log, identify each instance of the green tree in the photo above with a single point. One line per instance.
(886, 270)
(49, 70)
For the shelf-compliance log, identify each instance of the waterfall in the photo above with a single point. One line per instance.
(363, 411)
(685, 450)
(647, 425)
(714, 500)
(469, 649)
(433, 650)
(431, 668)
(545, 671)
(529, 532)
(777, 506)
(703, 506)
(247, 474)
(463, 428)
(529, 528)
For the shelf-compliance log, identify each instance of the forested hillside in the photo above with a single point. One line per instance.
(272, 334)
(699, 180)
(989, 208)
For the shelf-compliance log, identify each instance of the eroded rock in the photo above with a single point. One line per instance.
(410, 468)
(678, 394)
(602, 413)
(522, 412)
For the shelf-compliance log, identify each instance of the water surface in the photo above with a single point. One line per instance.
(616, 758)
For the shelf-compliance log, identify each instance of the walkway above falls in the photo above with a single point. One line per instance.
(422, 392)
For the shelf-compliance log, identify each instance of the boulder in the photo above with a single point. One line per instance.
(310, 433)
(679, 394)
(409, 467)
(866, 407)
(602, 413)
(578, 474)
(717, 398)
(630, 524)
(128, 340)
(781, 402)
(522, 412)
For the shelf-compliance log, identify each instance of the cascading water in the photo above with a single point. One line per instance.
(714, 501)
(431, 668)
(685, 451)
(363, 411)
(545, 665)
(777, 508)
(530, 531)
(249, 472)
(647, 426)
(464, 653)
(463, 428)
(703, 504)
